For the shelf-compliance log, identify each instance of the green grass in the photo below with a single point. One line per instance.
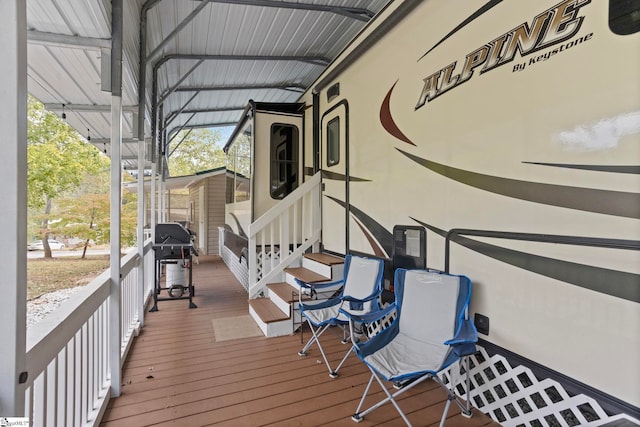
(48, 275)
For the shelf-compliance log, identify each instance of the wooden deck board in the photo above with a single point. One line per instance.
(176, 374)
(325, 258)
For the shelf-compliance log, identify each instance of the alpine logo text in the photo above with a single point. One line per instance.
(553, 26)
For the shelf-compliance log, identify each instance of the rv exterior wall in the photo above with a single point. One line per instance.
(447, 133)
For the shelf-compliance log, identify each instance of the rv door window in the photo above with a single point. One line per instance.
(284, 159)
(333, 142)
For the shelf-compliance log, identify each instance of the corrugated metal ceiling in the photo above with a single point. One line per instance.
(210, 56)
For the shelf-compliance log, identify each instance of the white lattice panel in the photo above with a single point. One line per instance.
(267, 259)
(514, 397)
(374, 328)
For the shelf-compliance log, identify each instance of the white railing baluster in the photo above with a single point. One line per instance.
(90, 364)
(296, 219)
(291, 239)
(284, 234)
(77, 385)
(39, 399)
(52, 409)
(62, 387)
(104, 343)
(272, 249)
(71, 382)
(67, 353)
(84, 410)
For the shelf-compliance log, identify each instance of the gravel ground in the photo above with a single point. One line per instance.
(38, 308)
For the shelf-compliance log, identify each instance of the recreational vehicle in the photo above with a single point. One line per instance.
(509, 135)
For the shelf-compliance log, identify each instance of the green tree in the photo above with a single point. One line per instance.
(86, 214)
(200, 150)
(58, 159)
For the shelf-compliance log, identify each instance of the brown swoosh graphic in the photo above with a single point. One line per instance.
(387, 121)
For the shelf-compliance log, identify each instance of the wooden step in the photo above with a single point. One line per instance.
(286, 292)
(267, 310)
(325, 259)
(306, 275)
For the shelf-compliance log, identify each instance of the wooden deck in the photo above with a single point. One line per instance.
(178, 375)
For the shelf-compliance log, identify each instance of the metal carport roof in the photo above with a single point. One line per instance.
(203, 59)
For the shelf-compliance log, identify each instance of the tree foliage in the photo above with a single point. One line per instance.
(68, 184)
(200, 150)
(57, 156)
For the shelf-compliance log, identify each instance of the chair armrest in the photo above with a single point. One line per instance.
(369, 317)
(324, 304)
(365, 299)
(308, 285)
(465, 339)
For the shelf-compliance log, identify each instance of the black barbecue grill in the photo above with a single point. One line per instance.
(173, 247)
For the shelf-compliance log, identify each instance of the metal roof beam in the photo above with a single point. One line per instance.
(293, 87)
(179, 129)
(164, 96)
(315, 60)
(350, 12)
(88, 108)
(66, 40)
(181, 141)
(108, 141)
(142, 68)
(177, 29)
(202, 126)
(174, 114)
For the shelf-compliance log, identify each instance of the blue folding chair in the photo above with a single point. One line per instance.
(431, 331)
(361, 287)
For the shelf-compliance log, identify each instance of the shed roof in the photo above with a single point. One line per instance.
(204, 59)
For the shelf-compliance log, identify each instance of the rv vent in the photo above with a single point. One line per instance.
(333, 92)
(513, 396)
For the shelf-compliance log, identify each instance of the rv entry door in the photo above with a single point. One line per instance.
(335, 178)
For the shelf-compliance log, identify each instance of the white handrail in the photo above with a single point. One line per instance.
(67, 353)
(265, 219)
(283, 234)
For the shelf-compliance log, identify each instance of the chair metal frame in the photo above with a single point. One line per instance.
(461, 344)
(322, 316)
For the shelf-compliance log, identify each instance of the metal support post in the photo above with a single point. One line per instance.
(115, 337)
(154, 200)
(13, 209)
(141, 220)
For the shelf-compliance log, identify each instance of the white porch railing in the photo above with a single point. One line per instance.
(67, 356)
(283, 234)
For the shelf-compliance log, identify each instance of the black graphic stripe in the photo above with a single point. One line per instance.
(611, 282)
(634, 170)
(341, 177)
(488, 6)
(384, 237)
(616, 203)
